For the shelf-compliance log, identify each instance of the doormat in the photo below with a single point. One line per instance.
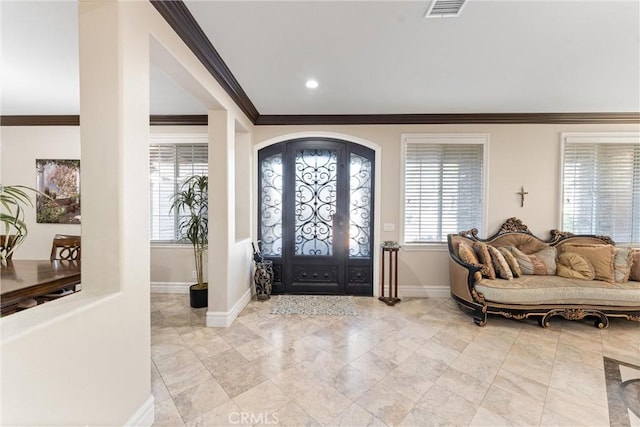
(323, 305)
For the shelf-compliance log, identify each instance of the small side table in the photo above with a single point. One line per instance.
(392, 299)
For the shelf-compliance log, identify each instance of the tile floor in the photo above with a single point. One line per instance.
(420, 363)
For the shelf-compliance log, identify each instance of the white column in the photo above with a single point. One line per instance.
(221, 212)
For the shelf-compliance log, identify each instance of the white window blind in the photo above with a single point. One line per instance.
(443, 187)
(170, 165)
(601, 186)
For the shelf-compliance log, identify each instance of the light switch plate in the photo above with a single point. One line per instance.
(389, 226)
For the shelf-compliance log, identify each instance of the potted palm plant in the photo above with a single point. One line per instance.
(191, 203)
(13, 200)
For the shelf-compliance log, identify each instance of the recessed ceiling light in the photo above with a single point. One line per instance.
(311, 84)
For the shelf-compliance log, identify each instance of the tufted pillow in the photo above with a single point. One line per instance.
(575, 266)
(524, 242)
(600, 256)
(467, 254)
(622, 265)
(635, 265)
(485, 259)
(500, 264)
(512, 261)
(540, 263)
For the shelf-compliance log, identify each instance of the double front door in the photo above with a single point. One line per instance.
(315, 216)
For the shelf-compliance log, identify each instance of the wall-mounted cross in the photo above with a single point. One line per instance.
(522, 193)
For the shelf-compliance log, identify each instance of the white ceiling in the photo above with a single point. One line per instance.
(370, 57)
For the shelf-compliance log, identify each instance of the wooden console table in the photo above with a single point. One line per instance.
(392, 299)
(22, 279)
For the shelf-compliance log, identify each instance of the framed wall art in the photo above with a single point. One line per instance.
(60, 181)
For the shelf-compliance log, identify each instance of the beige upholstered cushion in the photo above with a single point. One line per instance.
(500, 264)
(485, 259)
(600, 256)
(512, 261)
(540, 263)
(468, 255)
(574, 266)
(524, 242)
(622, 264)
(635, 265)
(536, 290)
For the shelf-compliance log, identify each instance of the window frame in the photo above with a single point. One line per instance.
(589, 138)
(482, 139)
(173, 139)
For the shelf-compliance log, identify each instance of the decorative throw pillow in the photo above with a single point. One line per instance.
(540, 263)
(512, 261)
(500, 264)
(635, 265)
(467, 254)
(485, 258)
(575, 266)
(622, 265)
(600, 256)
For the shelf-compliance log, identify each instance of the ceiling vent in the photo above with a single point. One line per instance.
(445, 8)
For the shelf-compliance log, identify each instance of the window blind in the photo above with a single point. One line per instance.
(443, 190)
(601, 190)
(170, 165)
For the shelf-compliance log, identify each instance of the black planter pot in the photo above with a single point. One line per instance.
(198, 297)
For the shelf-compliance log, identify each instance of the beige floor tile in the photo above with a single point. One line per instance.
(518, 409)
(422, 362)
(200, 399)
(262, 400)
(386, 405)
(352, 382)
(356, 416)
(423, 418)
(448, 405)
(180, 380)
(323, 402)
(487, 418)
(373, 365)
(582, 381)
(411, 385)
(573, 408)
(166, 414)
(296, 380)
(290, 415)
(227, 414)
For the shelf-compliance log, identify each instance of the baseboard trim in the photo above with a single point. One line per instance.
(219, 319)
(170, 287)
(424, 291)
(144, 416)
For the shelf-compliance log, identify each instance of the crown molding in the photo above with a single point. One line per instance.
(50, 120)
(185, 25)
(71, 120)
(357, 119)
(457, 119)
(179, 120)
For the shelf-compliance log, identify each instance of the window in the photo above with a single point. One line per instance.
(443, 185)
(172, 158)
(601, 185)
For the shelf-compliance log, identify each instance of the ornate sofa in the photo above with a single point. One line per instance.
(540, 292)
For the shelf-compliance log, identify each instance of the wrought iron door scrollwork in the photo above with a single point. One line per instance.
(315, 201)
(271, 205)
(359, 207)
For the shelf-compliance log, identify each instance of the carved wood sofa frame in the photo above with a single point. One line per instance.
(461, 276)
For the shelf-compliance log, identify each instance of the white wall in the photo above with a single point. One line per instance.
(21, 146)
(519, 155)
(85, 359)
(171, 265)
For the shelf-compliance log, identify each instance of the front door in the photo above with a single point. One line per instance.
(316, 216)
